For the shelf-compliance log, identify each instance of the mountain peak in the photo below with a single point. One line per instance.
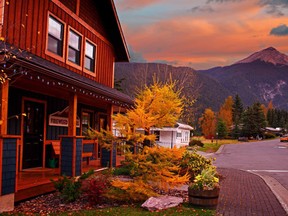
(270, 55)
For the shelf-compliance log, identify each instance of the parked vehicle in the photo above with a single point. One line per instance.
(284, 138)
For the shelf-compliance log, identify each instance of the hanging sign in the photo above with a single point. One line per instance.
(60, 118)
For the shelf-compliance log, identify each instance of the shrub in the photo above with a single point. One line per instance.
(152, 170)
(124, 170)
(194, 163)
(269, 135)
(96, 188)
(70, 187)
(194, 142)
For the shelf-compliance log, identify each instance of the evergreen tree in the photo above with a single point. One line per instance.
(253, 120)
(237, 112)
(221, 129)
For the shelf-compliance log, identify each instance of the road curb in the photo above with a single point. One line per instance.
(219, 151)
(278, 190)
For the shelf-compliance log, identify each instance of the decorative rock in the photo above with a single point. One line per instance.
(161, 202)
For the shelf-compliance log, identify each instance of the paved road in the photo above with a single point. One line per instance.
(265, 158)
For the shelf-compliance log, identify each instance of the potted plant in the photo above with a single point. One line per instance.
(205, 188)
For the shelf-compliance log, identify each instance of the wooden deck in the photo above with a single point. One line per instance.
(34, 182)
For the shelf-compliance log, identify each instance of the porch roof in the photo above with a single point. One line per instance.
(49, 69)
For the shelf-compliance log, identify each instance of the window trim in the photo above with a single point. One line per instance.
(95, 58)
(80, 66)
(49, 53)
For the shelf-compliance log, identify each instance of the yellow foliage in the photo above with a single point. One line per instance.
(156, 106)
(154, 168)
(208, 122)
(225, 112)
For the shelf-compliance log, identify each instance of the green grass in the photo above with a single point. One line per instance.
(184, 209)
(215, 145)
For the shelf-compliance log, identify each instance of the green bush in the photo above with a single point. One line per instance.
(194, 142)
(124, 170)
(70, 187)
(269, 135)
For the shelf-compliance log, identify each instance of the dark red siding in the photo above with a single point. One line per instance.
(71, 4)
(25, 26)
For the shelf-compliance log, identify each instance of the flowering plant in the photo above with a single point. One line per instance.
(206, 180)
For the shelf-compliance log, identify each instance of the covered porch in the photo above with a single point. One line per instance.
(44, 103)
(37, 181)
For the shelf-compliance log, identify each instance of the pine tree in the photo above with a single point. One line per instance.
(237, 113)
(253, 120)
(221, 129)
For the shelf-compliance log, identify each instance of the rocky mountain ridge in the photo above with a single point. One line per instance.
(262, 76)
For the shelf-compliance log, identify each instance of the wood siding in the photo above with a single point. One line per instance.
(25, 26)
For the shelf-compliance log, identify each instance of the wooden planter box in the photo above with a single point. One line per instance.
(204, 198)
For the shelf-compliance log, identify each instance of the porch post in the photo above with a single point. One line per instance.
(8, 149)
(71, 145)
(108, 157)
(4, 107)
(72, 117)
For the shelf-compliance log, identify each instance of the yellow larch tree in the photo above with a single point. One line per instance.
(225, 112)
(158, 105)
(208, 123)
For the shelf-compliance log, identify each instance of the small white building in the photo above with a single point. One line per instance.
(177, 136)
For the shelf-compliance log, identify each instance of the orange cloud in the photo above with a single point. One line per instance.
(134, 4)
(227, 34)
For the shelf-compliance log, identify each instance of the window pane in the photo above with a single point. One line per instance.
(74, 56)
(74, 40)
(89, 50)
(89, 64)
(55, 28)
(54, 45)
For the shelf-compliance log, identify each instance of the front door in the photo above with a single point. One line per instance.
(33, 134)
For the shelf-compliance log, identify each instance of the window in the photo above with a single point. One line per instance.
(55, 36)
(74, 49)
(86, 122)
(157, 134)
(89, 61)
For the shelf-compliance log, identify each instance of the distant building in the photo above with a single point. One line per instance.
(170, 137)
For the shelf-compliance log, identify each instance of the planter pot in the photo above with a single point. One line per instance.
(53, 163)
(204, 198)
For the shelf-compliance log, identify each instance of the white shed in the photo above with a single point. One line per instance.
(178, 136)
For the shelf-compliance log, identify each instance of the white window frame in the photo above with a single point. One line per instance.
(71, 63)
(92, 73)
(47, 51)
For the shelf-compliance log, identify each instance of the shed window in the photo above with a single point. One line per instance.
(55, 36)
(89, 56)
(74, 49)
(157, 134)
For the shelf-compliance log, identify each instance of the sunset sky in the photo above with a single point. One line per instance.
(202, 33)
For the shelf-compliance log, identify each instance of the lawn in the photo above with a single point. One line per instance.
(210, 146)
(184, 209)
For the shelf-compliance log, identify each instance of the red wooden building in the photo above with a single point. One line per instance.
(59, 56)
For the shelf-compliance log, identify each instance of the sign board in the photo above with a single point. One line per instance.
(60, 118)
